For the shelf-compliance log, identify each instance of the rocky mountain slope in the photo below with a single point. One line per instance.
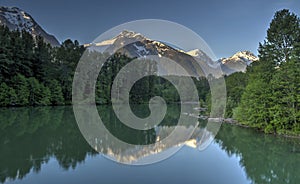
(238, 62)
(136, 45)
(17, 19)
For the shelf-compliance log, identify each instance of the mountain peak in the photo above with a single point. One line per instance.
(242, 56)
(137, 45)
(238, 62)
(246, 54)
(195, 53)
(127, 34)
(16, 19)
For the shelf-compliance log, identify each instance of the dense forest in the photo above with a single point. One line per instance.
(34, 73)
(267, 96)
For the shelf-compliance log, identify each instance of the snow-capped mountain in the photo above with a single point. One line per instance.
(238, 62)
(136, 45)
(17, 19)
(242, 56)
(195, 53)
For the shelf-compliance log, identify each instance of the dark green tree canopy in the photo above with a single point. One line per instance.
(271, 100)
(282, 37)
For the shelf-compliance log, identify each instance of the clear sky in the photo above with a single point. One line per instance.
(227, 26)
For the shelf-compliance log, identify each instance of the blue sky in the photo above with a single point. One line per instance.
(227, 26)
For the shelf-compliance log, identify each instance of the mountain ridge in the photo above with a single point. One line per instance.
(136, 45)
(132, 44)
(17, 19)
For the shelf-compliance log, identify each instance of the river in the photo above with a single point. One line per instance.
(44, 145)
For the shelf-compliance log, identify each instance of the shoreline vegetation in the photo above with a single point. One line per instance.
(229, 121)
(266, 97)
(236, 123)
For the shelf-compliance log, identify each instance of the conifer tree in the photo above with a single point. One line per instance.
(270, 101)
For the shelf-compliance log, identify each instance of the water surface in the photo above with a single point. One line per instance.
(44, 145)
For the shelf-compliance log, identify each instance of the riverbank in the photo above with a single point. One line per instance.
(236, 123)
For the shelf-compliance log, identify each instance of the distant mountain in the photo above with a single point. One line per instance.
(17, 19)
(195, 53)
(238, 62)
(136, 45)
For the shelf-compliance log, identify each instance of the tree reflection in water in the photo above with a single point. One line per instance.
(29, 137)
(265, 158)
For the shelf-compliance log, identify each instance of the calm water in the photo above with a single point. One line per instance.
(44, 145)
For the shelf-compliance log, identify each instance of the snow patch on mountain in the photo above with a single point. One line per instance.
(17, 19)
(106, 42)
(195, 53)
(238, 62)
(136, 45)
(243, 56)
(141, 50)
(130, 34)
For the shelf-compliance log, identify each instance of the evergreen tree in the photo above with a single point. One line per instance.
(42, 65)
(27, 64)
(66, 59)
(38, 93)
(235, 85)
(5, 53)
(7, 95)
(56, 97)
(282, 36)
(20, 85)
(270, 100)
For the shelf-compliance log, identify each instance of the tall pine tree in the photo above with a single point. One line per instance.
(270, 101)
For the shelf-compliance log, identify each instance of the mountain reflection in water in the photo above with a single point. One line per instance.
(32, 137)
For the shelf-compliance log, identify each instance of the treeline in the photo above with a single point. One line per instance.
(267, 96)
(147, 87)
(34, 73)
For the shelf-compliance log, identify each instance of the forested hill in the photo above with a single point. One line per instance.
(34, 73)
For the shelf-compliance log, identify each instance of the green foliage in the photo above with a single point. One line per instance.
(254, 102)
(28, 65)
(42, 65)
(271, 99)
(282, 36)
(286, 97)
(66, 59)
(7, 95)
(235, 85)
(38, 93)
(267, 96)
(56, 94)
(20, 85)
(145, 88)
